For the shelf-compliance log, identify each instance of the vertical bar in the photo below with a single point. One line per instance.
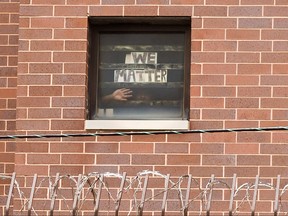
(53, 197)
(119, 197)
(32, 194)
(185, 210)
(255, 196)
(13, 178)
(76, 196)
(210, 196)
(141, 205)
(96, 208)
(165, 195)
(276, 204)
(232, 194)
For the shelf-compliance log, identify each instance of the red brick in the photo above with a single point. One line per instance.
(239, 11)
(280, 46)
(171, 147)
(74, 113)
(77, 158)
(175, 11)
(32, 124)
(205, 171)
(219, 91)
(67, 125)
(214, 11)
(70, 34)
(31, 170)
(242, 103)
(274, 34)
(279, 160)
(280, 92)
(200, 125)
(43, 158)
(45, 68)
(75, 45)
(281, 2)
(45, 91)
(145, 159)
(208, 34)
(257, 2)
(8, 50)
(207, 80)
(50, 22)
(241, 124)
(68, 102)
(274, 80)
(280, 114)
(66, 170)
(105, 147)
(47, 45)
(247, 91)
(7, 93)
(255, 23)
(70, 11)
(254, 69)
(236, 148)
(9, 7)
(63, 147)
(35, 33)
(7, 114)
(280, 68)
(50, 2)
(274, 57)
(140, 10)
(218, 114)
(8, 29)
(242, 80)
(275, 11)
(254, 137)
(219, 137)
(206, 148)
(256, 160)
(69, 56)
(241, 34)
(219, 160)
(173, 170)
(273, 171)
(113, 159)
(253, 114)
(117, 2)
(33, 10)
(4, 39)
(184, 2)
(183, 138)
(68, 80)
(220, 46)
(74, 90)
(33, 102)
(75, 68)
(250, 171)
(255, 46)
(33, 79)
(34, 57)
(222, 2)
(183, 159)
(242, 57)
(200, 57)
(219, 68)
(280, 23)
(207, 103)
(76, 22)
(106, 10)
(136, 147)
(6, 157)
(83, 2)
(41, 113)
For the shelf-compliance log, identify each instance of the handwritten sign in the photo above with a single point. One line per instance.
(141, 75)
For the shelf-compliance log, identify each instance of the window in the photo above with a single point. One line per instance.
(138, 73)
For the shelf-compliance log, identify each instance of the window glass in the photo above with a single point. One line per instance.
(138, 75)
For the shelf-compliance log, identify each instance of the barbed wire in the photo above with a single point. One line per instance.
(129, 133)
(133, 186)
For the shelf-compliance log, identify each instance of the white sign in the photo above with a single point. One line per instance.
(141, 75)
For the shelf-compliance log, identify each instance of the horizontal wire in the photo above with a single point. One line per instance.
(144, 133)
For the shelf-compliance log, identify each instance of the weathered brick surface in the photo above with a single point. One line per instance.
(238, 79)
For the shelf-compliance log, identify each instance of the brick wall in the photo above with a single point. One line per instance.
(9, 19)
(238, 79)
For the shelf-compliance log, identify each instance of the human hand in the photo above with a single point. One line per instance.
(122, 94)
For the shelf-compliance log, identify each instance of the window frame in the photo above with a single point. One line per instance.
(135, 24)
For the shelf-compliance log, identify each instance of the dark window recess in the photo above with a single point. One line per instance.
(139, 68)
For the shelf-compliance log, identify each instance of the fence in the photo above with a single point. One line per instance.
(123, 195)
